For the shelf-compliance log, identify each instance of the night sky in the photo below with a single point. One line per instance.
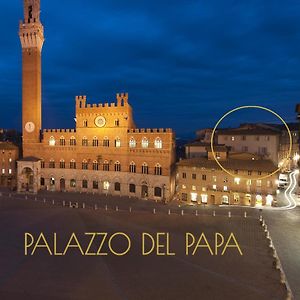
(183, 63)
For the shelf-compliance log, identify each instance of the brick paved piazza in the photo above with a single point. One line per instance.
(132, 277)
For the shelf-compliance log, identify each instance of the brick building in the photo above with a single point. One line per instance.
(104, 153)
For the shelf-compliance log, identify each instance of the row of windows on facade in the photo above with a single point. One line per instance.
(244, 138)
(3, 171)
(106, 142)
(106, 166)
(203, 176)
(86, 123)
(106, 185)
(249, 183)
(224, 199)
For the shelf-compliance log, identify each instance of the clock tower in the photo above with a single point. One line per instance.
(31, 34)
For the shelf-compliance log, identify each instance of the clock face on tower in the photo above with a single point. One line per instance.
(100, 121)
(29, 127)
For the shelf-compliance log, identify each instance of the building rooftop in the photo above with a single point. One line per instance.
(8, 146)
(248, 131)
(230, 164)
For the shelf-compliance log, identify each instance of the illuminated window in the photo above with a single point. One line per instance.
(183, 186)
(106, 185)
(236, 197)
(204, 198)
(72, 183)
(194, 197)
(249, 182)
(225, 188)
(118, 142)
(232, 138)
(145, 143)
(214, 187)
(237, 181)
(52, 141)
(193, 187)
(225, 199)
(214, 178)
(3, 171)
(10, 171)
(158, 143)
(132, 143)
(258, 183)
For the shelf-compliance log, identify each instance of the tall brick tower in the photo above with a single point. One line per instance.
(32, 38)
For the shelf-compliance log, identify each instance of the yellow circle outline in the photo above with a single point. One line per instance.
(244, 107)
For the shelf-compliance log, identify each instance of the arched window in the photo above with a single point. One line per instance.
(62, 141)
(84, 184)
(95, 165)
(117, 122)
(85, 141)
(106, 185)
(72, 164)
(157, 192)
(95, 141)
(158, 143)
(145, 168)
(85, 123)
(117, 142)
(72, 183)
(106, 142)
(132, 188)
(52, 164)
(52, 141)
(62, 164)
(85, 165)
(117, 166)
(117, 186)
(42, 164)
(106, 166)
(132, 143)
(145, 143)
(132, 167)
(72, 141)
(158, 170)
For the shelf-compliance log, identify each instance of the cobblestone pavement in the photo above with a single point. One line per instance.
(132, 277)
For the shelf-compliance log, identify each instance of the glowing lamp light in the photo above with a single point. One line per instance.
(269, 199)
(297, 171)
(258, 197)
(296, 157)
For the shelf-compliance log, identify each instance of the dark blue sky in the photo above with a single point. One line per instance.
(184, 63)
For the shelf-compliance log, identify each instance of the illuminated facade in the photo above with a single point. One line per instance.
(201, 181)
(105, 153)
